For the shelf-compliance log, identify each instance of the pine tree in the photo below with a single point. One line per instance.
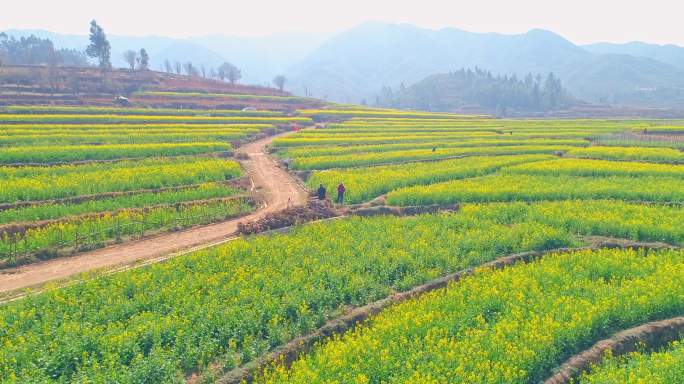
(99, 46)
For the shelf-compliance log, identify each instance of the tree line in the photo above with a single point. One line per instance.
(33, 50)
(99, 48)
(36, 51)
(224, 72)
(468, 88)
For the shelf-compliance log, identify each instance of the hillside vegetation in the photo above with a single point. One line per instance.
(480, 89)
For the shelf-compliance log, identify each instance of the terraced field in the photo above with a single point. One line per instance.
(224, 313)
(166, 94)
(510, 326)
(640, 367)
(239, 300)
(441, 337)
(77, 178)
(442, 160)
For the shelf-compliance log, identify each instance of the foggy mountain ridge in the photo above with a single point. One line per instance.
(668, 53)
(355, 64)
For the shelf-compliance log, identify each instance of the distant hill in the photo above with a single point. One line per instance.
(357, 63)
(469, 90)
(668, 54)
(624, 79)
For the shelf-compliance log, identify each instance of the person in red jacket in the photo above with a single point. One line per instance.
(340, 193)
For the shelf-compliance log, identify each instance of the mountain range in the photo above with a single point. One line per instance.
(360, 61)
(355, 64)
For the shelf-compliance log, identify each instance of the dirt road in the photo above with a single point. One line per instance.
(271, 182)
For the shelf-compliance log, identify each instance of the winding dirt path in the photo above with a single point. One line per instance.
(274, 185)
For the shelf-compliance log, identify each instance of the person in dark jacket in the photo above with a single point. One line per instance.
(340, 193)
(321, 192)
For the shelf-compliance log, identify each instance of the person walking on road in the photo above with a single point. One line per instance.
(321, 192)
(340, 193)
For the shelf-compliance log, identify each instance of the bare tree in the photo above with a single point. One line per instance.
(190, 69)
(230, 72)
(178, 67)
(221, 72)
(3, 40)
(53, 62)
(279, 82)
(234, 75)
(203, 71)
(167, 66)
(130, 57)
(212, 74)
(143, 60)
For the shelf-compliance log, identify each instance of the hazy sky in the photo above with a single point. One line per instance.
(581, 21)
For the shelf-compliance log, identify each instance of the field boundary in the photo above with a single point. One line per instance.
(247, 139)
(10, 296)
(272, 189)
(651, 335)
(289, 352)
(562, 156)
(214, 154)
(626, 160)
(94, 275)
(20, 228)
(424, 161)
(237, 182)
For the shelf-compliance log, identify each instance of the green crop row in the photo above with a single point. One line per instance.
(318, 137)
(365, 159)
(308, 139)
(363, 184)
(94, 231)
(69, 110)
(238, 300)
(507, 326)
(300, 152)
(49, 129)
(356, 127)
(671, 127)
(53, 210)
(384, 113)
(638, 222)
(42, 183)
(317, 133)
(668, 155)
(533, 187)
(419, 120)
(387, 131)
(583, 167)
(660, 367)
(122, 138)
(626, 142)
(152, 119)
(70, 153)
